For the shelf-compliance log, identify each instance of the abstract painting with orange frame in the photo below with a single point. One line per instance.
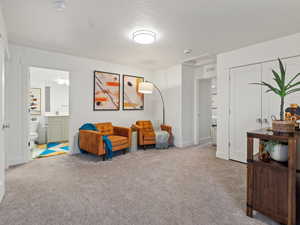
(106, 91)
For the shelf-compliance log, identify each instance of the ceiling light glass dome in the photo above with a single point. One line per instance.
(144, 37)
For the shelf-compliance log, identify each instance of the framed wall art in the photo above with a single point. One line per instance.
(106, 91)
(132, 99)
(35, 101)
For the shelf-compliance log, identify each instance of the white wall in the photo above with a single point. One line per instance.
(170, 83)
(3, 52)
(270, 50)
(81, 94)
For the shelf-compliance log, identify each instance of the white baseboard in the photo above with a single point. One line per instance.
(221, 155)
(16, 162)
(204, 140)
(186, 144)
(207, 144)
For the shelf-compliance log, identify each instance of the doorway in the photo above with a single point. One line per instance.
(48, 104)
(205, 111)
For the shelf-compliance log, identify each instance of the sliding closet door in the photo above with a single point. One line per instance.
(270, 101)
(245, 108)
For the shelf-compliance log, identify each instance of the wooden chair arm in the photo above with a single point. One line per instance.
(166, 128)
(123, 131)
(136, 127)
(140, 133)
(91, 141)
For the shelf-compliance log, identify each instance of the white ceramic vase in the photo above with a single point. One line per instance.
(280, 153)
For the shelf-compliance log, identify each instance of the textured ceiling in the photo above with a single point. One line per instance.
(99, 29)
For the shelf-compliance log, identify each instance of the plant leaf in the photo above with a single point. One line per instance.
(293, 85)
(290, 85)
(257, 83)
(292, 91)
(282, 70)
(275, 90)
(271, 88)
(278, 79)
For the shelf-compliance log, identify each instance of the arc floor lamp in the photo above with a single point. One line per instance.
(147, 88)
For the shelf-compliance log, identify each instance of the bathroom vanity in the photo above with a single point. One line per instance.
(57, 128)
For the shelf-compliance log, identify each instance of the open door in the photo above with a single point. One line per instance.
(2, 126)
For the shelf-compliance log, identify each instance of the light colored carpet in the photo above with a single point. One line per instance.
(167, 187)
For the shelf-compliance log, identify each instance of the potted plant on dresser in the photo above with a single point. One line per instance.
(278, 151)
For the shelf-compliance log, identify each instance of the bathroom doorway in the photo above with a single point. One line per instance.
(205, 117)
(48, 103)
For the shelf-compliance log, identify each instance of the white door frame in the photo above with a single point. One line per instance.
(2, 108)
(197, 80)
(26, 114)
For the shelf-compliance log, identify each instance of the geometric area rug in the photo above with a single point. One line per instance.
(54, 148)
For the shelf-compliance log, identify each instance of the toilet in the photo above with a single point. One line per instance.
(33, 135)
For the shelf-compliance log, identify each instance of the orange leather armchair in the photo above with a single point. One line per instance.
(91, 141)
(146, 134)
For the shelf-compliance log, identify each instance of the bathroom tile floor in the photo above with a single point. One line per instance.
(36, 152)
(52, 149)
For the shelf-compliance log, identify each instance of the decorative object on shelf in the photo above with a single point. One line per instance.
(265, 157)
(106, 91)
(147, 88)
(132, 98)
(35, 101)
(283, 126)
(278, 151)
(284, 88)
(293, 113)
(263, 154)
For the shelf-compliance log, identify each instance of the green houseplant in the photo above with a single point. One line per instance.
(282, 89)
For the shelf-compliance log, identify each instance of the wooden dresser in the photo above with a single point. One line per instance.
(271, 186)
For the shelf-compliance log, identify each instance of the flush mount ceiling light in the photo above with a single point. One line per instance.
(144, 37)
(187, 51)
(62, 81)
(59, 5)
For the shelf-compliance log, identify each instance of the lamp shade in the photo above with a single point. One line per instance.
(145, 88)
